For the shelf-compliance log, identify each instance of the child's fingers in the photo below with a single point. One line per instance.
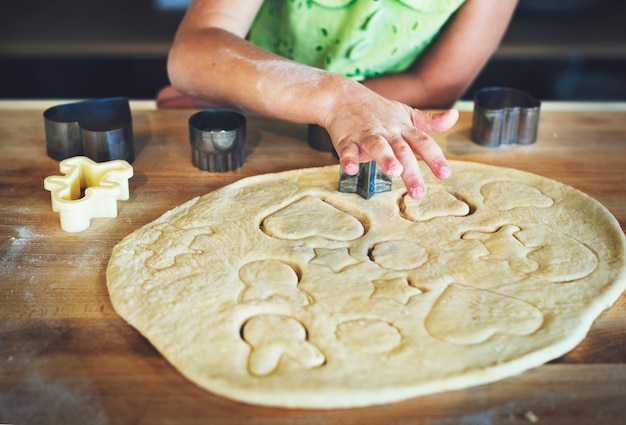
(430, 151)
(376, 147)
(411, 175)
(349, 153)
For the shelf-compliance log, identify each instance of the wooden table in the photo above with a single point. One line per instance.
(66, 357)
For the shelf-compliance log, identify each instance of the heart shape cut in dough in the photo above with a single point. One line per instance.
(438, 203)
(465, 315)
(497, 195)
(310, 216)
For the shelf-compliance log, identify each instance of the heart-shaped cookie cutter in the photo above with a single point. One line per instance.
(504, 116)
(100, 129)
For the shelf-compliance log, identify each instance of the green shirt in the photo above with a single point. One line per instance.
(356, 38)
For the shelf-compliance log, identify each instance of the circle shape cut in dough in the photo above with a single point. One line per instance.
(279, 290)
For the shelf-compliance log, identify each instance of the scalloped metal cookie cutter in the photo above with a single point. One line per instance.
(100, 129)
(103, 184)
(504, 116)
(217, 139)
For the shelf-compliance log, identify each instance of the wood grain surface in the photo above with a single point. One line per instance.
(67, 358)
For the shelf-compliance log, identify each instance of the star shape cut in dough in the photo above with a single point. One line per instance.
(336, 259)
(397, 289)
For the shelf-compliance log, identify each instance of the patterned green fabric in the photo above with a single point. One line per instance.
(356, 38)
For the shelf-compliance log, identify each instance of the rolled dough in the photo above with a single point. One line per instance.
(279, 290)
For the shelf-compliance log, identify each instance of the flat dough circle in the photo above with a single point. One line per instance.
(279, 290)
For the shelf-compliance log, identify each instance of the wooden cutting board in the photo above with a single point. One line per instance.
(66, 357)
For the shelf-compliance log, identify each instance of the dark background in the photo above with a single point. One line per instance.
(60, 49)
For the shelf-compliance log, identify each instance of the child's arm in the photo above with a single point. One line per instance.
(210, 59)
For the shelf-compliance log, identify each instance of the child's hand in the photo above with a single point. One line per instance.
(390, 133)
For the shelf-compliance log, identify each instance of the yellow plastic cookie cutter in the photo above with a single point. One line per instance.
(88, 190)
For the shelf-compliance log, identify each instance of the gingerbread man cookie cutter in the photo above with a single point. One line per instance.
(88, 190)
(100, 129)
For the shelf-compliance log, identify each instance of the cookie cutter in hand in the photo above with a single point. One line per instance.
(103, 185)
(369, 181)
(504, 116)
(100, 129)
(217, 139)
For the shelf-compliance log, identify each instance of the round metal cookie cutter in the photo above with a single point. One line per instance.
(217, 140)
(504, 116)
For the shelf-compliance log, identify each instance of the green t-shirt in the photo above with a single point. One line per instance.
(356, 38)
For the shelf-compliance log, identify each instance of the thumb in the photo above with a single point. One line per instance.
(431, 122)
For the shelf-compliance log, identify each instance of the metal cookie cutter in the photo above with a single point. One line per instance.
(100, 129)
(504, 116)
(367, 182)
(217, 140)
(103, 185)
